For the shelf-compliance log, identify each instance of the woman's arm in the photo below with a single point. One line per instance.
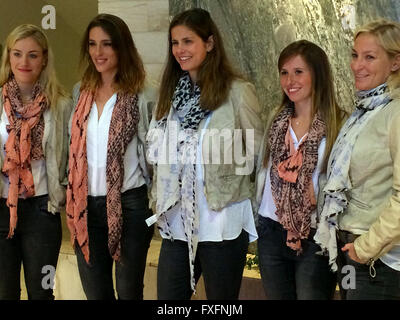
(384, 233)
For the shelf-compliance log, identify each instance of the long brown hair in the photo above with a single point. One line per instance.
(323, 91)
(130, 76)
(215, 75)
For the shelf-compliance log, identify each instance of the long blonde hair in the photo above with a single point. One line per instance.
(48, 79)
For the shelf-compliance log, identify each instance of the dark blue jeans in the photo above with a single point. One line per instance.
(288, 276)
(385, 285)
(221, 264)
(96, 277)
(36, 244)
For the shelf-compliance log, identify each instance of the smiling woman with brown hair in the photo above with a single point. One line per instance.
(107, 200)
(203, 210)
(292, 163)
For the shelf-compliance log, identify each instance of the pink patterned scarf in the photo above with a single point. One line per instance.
(123, 127)
(291, 175)
(24, 143)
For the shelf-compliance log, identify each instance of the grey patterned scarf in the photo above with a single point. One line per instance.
(368, 104)
(176, 182)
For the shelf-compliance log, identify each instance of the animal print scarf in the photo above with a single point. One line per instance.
(368, 104)
(176, 180)
(123, 127)
(24, 143)
(291, 176)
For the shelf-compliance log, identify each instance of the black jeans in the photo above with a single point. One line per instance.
(384, 286)
(96, 277)
(288, 276)
(36, 244)
(221, 264)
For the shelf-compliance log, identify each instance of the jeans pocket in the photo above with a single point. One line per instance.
(265, 228)
(41, 204)
(133, 205)
(353, 263)
(260, 227)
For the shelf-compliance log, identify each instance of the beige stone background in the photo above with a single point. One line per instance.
(72, 17)
(254, 32)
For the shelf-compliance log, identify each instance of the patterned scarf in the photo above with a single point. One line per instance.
(291, 176)
(176, 182)
(24, 143)
(123, 127)
(368, 104)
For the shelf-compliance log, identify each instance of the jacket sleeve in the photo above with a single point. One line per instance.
(75, 93)
(57, 155)
(384, 233)
(250, 120)
(65, 117)
(147, 100)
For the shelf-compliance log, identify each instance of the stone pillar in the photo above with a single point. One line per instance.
(148, 21)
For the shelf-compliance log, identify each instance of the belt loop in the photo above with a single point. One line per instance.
(372, 270)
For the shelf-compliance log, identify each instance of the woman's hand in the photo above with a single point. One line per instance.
(349, 247)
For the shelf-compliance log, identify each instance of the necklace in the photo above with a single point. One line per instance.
(296, 121)
(26, 100)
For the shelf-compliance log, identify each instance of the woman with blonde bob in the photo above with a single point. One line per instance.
(291, 166)
(360, 221)
(107, 200)
(34, 139)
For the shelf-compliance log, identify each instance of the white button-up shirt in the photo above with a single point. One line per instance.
(96, 144)
(267, 207)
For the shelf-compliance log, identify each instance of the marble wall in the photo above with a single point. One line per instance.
(148, 22)
(255, 32)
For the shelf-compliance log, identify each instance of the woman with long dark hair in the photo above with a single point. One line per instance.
(107, 201)
(292, 163)
(201, 190)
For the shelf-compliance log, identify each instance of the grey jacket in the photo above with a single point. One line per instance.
(223, 184)
(55, 149)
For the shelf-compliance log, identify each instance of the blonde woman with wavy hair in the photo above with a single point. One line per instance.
(34, 115)
(48, 77)
(360, 220)
(387, 33)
